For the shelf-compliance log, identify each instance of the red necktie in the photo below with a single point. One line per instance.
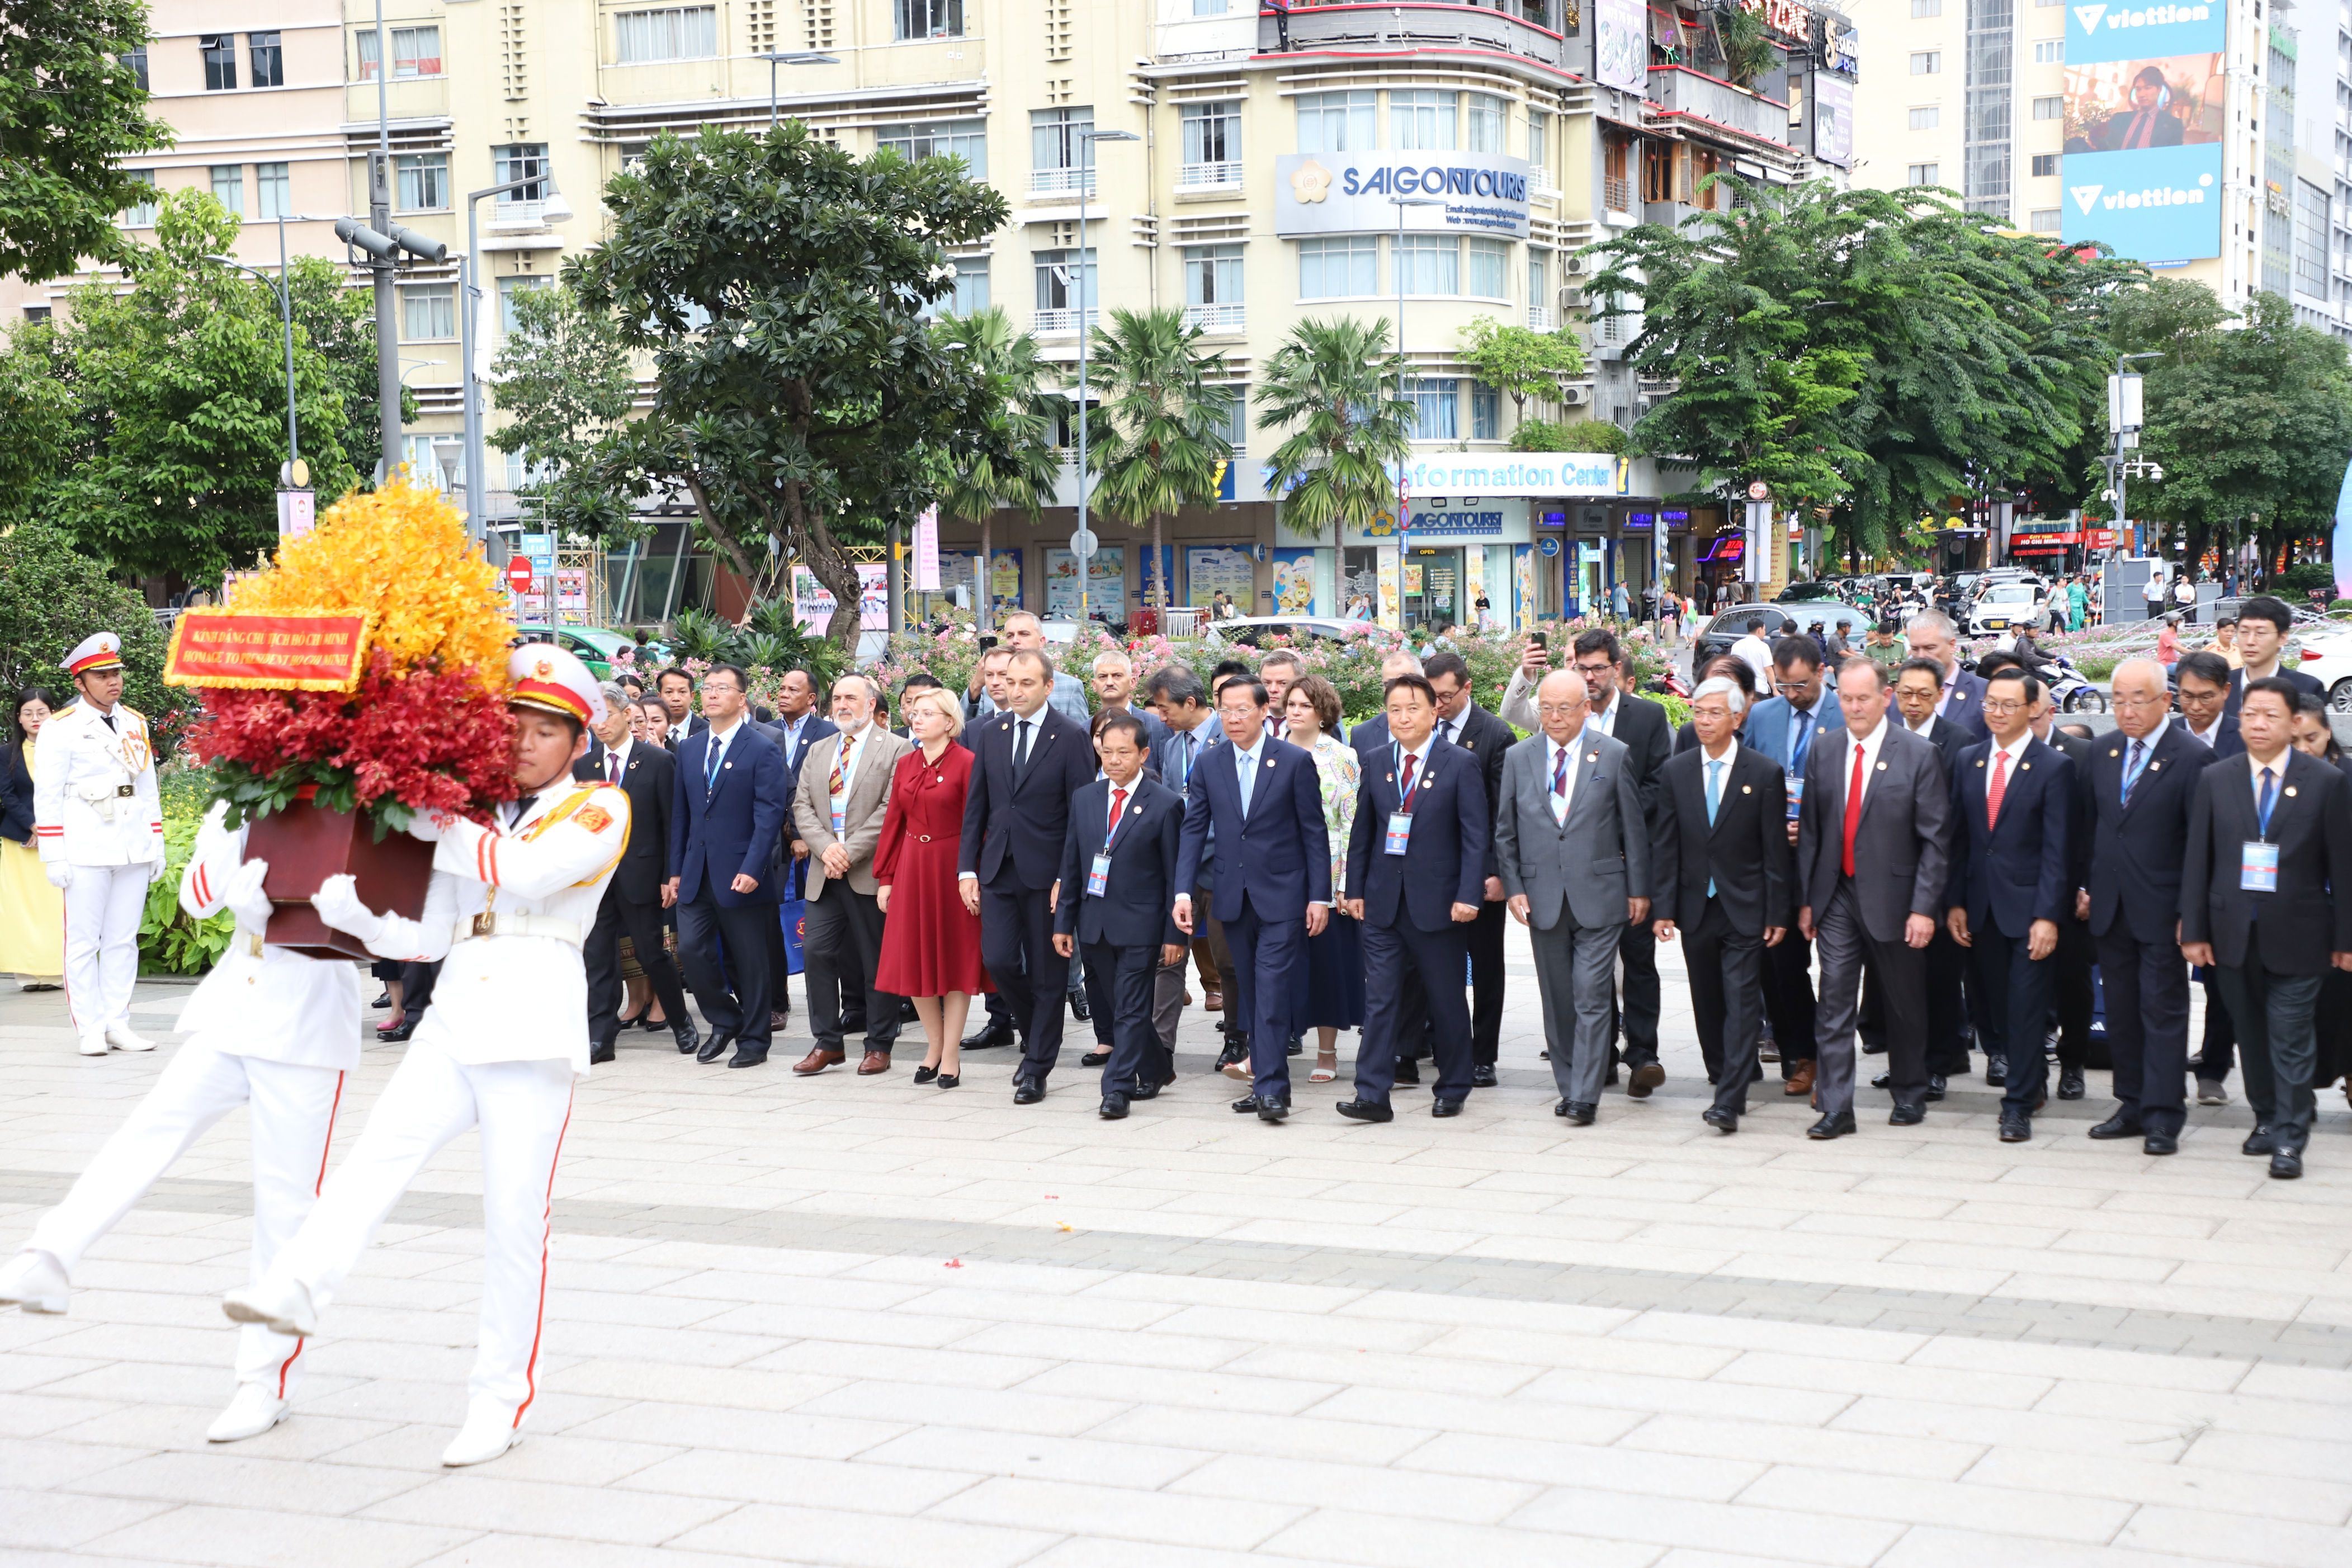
(1404, 790)
(1118, 804)
(1853, 807)
(1998, 787)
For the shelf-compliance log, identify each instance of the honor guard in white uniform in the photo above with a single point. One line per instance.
(500, 1050)
(270, 1028)
(100, 828)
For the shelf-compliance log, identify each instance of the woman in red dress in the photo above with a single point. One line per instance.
(931, 943)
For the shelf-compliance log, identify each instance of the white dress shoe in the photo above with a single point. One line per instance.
(36, 1282)
(284, 1308)
(120, 1037)
(93, 1044)
(252, 1411)
(490, 1431)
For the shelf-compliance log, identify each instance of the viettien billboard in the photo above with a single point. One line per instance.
(2146, 110)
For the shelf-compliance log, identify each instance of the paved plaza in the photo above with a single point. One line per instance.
(859, 1322)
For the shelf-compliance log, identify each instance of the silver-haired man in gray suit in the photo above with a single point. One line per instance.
(1574, 857)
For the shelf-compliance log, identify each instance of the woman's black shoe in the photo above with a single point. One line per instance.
(383, 999)
(925, 1075)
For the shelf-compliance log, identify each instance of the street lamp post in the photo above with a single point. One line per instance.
(1086, 138)
(790, 57)
(284, 289)
(556, 209)
(1396, 261)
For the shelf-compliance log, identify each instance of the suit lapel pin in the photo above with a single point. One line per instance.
(1882, 767)
(1591, 757)
(2290, 790)
(1979, 762)
(2025, 767)
(1747, 789)
(2153, 766)
(2113, 753)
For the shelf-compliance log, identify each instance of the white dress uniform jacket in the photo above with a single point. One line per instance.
(94, 800)
(268, 1002)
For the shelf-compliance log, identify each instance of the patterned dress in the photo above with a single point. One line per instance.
(1334, 995)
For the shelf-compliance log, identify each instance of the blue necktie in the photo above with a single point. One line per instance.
(2269, 798)
(1803, 746)
(1248, 776)
(1714, 799)
(2132, 764)
(710, 772)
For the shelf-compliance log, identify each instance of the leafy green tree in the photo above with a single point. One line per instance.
(799, 398)
(565, 380)
(70, 110)
(39, 410)
(1011, 460)
(1572, 436)
(1521, 361)
(51, 596)
(1160, 443)
(1332, 385)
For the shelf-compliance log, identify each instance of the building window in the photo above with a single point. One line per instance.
(1064, 280)
(1927, 62)
(423, 181)
(137, 60)
(1209, 7)
(1927, 175)
(1926, 7)
(141, 213)
(1927, 117)
(1430, 264)
(1539, 146)
(273, 191)
(1421, 122)
(1485, 412)
(268, 59)
(1213, 287)
(509, 288)
(228, 186)
(220, 61)
(2049, 51)
(1487, 259)
(1213, 144)
(1486, 116)
(964, 138)
(1539, 288)
(2044, 165)
(1337, 122)
(970, 288)
(673, 33)
(2046, 220)
(416, 51)
(1437, 408)
(928, 18)
(2311, 238)
(1059, 158)
(36, 312)
(2050, 108)
(519, 160)
(428, 311)
(1346, 267)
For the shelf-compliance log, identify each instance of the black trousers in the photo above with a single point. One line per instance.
(1129, 974)
(1486, 983)
(1638, 1008)
(2017, 991)
(1948, 1008)
(1391, 952)
(841, 943)
(616, 917)
(1788, 1000)
(740, 1009)
(416, 982)
(2275, 1017)
(1727, 987)
(2148, 1027)
(2072, 993)
(2220, 1046)
(1016, 943)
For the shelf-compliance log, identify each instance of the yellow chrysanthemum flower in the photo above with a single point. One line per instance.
(399, 555)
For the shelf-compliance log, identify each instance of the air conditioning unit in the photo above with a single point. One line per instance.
(1574, 396)
(1574, 299)
(1575, 264)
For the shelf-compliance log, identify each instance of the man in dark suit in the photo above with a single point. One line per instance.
(1919, 687)
(2010, 883)
(1931, 634)
(2266, 894)
(1116, 897)
(1871, 872)
(1260, 798)
(1027, 762)
(1369, 741)
(1371, 738)
(2208, 713)
(1786, 725)
(675, 687)
(2136, 793)
(2074, 990)
(635, 897)
(1183, 703)
(797, 726)
(1640, 725)
(2263, 626)
(726, 815)
(1461, 722)
(1723, 875)
(1417, 862)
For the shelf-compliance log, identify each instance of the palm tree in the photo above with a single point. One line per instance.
(1014, 461)
(1334, 384)
(1161, 444)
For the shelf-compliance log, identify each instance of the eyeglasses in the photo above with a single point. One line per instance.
(1991, 705)
(1561, 709)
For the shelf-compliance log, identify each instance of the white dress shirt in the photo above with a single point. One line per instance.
(2208, 738)
(617, 755)
(2004, 761)
(1605, 718)
(1560, 801)
(846, 754)
(716, 757)
(1870, 745)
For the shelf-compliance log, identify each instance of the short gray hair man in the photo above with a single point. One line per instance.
(1728, 690)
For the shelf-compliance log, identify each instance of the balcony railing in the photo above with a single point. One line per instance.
(1679, 89)
(1049, 322)
(1220, 317)
(1540, 318)
(518, 214)
(1054, 182)
(1617, 192)
(1209, 176)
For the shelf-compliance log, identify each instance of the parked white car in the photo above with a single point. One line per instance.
(2006, 606)
(2326, 658)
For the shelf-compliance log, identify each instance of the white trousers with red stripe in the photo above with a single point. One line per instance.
(293, 1127)
(522, 1108)
(102, 911)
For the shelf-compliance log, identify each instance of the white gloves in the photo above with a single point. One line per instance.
(337, 903)
(60, 873)
(245, 897)
(426, 826)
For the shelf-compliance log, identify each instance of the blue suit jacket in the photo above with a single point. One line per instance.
(735, 825)
(1966, 705)
(1267, 858)
(2016, 871)
(1766, 730)
(1445, 857)
(1138, 907)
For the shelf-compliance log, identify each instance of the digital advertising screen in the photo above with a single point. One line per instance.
(2146, 94)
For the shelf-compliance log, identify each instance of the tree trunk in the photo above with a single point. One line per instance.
(981, 592)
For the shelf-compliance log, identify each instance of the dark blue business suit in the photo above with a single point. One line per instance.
(1121, 932)
(723, 825)
(1268, 867)
(1408, 903)
(2007, 875)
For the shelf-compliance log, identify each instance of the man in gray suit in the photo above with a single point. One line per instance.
(1872, 853)
(1574, 853)
(838, 806)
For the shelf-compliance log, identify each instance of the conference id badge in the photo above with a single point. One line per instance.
(839, 821)
(1099, 877)
(2258, 868)
(1400, 833)
(1796, 795)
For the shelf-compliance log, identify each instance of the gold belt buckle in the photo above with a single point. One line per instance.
(485, 925)
(125, 791)
(254, 944)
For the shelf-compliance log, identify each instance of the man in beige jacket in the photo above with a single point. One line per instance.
(837, 810)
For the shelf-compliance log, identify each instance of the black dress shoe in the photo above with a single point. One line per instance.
(1027, 1092)
(925, 1075)
(1906, 1116)
(908, 1012)
(1297, 1045)
(690, 1039)
(382, 1000)
(1367, 1110)
(747, 1056)
(1580, 1112)
(1146, 1090)
(1245, 1106)
(2015, 1127)
(602, 1051)
(1235, 1054)
(2258, 1142)
(1094, 1058)
(1996, 1072)
(1445, 1108)
(988, 1035)
(1114, 1107)
(1483, 1076)
(2116, 1126)
(1273, 1107)
(1838, 1124)
(1935, 1086)
(1873, 1050)
(715, 1047)
(1643, 1077)
(1882, 1080)
(1722, 1121)
(2159, 1143)
(1408, 1070)
(398, 1032)
(2286, 1164)
(2069, 1083)
(1079, 1007)
(653, 1025)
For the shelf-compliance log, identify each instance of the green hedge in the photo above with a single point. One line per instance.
(168, 942)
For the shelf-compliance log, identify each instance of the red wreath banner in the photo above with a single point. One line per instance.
(285, 651)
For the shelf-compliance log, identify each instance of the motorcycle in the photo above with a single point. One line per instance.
(2073, 691)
